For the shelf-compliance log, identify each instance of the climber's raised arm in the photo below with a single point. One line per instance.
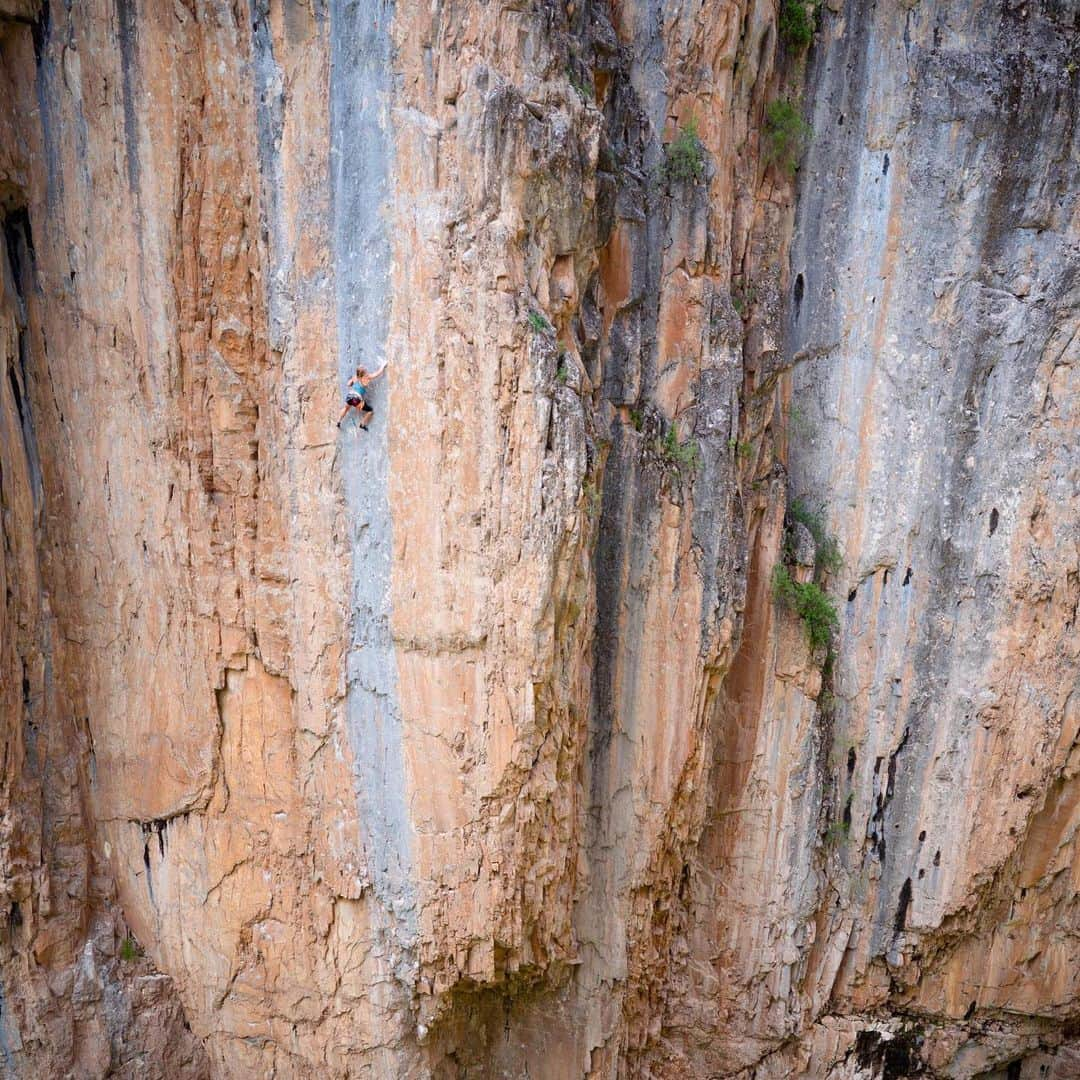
(370, 377)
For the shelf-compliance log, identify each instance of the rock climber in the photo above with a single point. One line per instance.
(356, 396)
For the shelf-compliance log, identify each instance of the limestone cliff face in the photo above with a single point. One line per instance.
(476, 744)
(899, 856)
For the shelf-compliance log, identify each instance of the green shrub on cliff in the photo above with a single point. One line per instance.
(580, 87)
(684, 455)
(796, 24)
(810, 602)
(829, 558)
(684, 156)
(743, 450)
(786, 135)
(538, 324)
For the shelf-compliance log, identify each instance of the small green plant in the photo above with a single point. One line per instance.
(840, 830)
(828, 558)
(562, 373)
(685, 455)
(810, 602)
(836, 834)
(786, 135)
(746, 293)
(826, 699)
(592, 499)
(796, 24)
(582, 90)
(743, 296)
(129, 950)
(538, 324)
(800, 423)
(743, 450)
(637, 418)
(684, 156)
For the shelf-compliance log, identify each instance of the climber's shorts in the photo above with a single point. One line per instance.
(354, 400)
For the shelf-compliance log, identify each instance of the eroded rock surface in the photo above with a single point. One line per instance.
(476, 744)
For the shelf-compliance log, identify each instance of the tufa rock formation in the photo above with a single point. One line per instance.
(679, 678)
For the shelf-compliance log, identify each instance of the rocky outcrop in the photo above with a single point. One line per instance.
(891, 849)
(478, 743)
(937, 396)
